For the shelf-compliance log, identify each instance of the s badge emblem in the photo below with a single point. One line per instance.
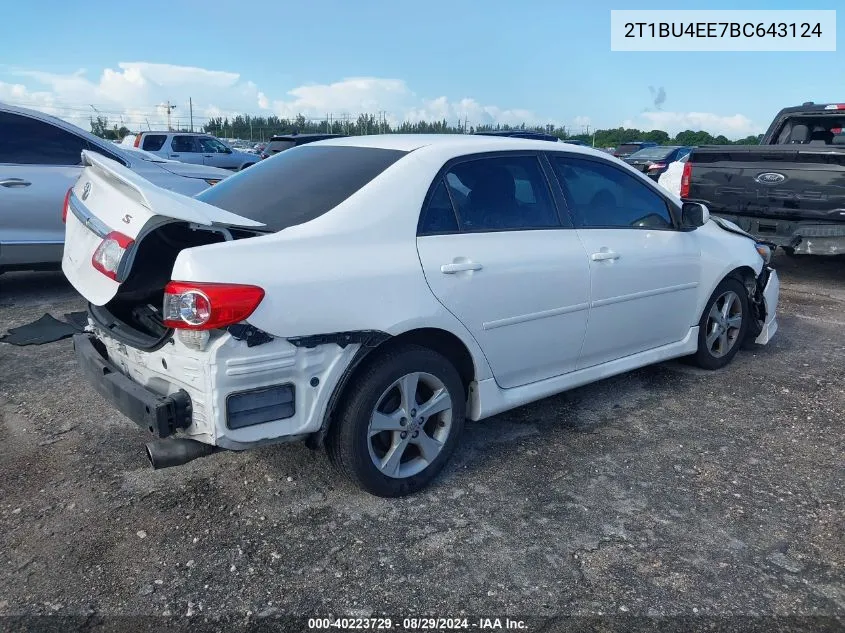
(127, 219)
(86, 190)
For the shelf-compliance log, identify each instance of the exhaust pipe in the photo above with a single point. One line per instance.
(176, 451)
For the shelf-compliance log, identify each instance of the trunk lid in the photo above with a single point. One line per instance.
(109, 198)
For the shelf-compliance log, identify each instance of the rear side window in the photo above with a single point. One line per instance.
(26, 141)
(299, 185)
(183, 144)
(506, 193)
(153, 142)
(439, 214)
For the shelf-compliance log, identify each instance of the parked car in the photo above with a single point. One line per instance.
(526, 134)
(626, 149)
(574, 141)
(788, 189)
(281, 142)
(349, 293)
(653, 161)
(195, 148)
(671, 178)
(40, 159)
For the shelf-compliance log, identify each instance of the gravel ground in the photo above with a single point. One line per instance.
(665, 491)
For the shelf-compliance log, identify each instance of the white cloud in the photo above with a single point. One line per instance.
(732, 126)
(135, 93)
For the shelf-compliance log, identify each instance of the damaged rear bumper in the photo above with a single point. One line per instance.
(160, 415)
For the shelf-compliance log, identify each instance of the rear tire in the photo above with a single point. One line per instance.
(723, 325)
(399, 422)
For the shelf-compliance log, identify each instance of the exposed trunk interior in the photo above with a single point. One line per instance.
(133, 316)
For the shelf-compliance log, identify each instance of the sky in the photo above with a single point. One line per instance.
(482, 61)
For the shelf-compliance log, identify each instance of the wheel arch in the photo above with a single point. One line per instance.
(439, 340)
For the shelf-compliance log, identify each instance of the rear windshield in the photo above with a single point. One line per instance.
(653, 153)
(300, 184)
(278, 146)
(628, 148)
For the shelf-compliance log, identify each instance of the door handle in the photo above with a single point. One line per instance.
(208, 155)
(458, 267)
(14, 182)
(174, 156)
(604, 254)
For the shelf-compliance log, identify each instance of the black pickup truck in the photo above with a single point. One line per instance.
(788, 190)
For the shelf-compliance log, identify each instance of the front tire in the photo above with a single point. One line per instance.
(723, 325)
(399, 423)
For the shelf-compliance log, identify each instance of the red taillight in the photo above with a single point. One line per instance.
(685, 178)
(66, 204)
(206, 306)
(137, 140)
(835, 106)
(110, 252)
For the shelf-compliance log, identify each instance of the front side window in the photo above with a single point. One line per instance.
(211, 145)
(27, 141)
(601, 195)
(502, 193)
(183, 144)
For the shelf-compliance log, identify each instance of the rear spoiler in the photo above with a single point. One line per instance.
(161, 201)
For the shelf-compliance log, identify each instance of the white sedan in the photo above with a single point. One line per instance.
(371, 293)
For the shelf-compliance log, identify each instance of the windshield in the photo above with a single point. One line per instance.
(300, 184)
(653, 153)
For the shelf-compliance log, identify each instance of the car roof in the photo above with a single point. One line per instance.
(181, 133)
(65, 125)
(295, 136)
(457, 144)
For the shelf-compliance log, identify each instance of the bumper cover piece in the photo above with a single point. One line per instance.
(160, 415)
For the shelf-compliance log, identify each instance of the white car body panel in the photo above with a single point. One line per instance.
(545, 318)
(526, 335)
(123, 201)
(645, 298)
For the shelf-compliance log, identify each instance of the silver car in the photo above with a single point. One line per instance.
(40, 159)
(193, 147)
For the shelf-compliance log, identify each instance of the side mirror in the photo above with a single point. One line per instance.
(693, 215)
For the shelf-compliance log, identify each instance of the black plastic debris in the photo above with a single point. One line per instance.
(79, 319)
(47, 329)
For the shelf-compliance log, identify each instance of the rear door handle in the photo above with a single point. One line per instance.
(451, 269)
(208, 155)
(14, 182)
(174, 156)
(604, 254)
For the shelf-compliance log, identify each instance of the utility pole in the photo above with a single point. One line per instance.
(191, 108)
(170, 109)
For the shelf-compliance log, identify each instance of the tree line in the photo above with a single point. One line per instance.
(260, 128)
